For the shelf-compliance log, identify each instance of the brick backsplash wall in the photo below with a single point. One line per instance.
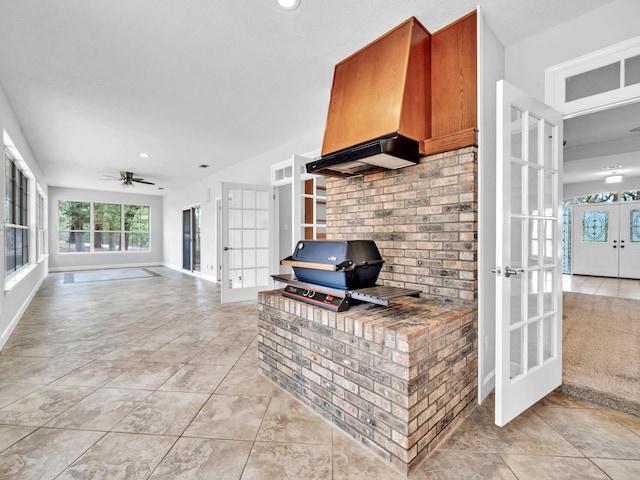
(423, 219)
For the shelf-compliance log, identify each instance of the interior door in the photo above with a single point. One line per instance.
(196, 227)
(186, 239)
(596, 240)
(528, 252)
(629, 249)
(247, 219)
(191, 227)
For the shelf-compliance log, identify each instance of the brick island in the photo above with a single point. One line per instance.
(397, 379)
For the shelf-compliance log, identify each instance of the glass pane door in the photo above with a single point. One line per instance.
(529, 252)
(246, 215)
(191, 227)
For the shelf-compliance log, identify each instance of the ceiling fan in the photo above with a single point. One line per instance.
(128, 179)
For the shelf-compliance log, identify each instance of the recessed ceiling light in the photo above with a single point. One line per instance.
(613, 179)
(612, 167)
(144, 155)
(204, 166)
(288, 4)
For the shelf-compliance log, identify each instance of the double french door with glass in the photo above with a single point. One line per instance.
(606, 240)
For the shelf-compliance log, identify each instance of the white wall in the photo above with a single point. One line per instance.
(490, 70)
(527, 60)
(255, 170)
(88, 260)
(13, 302)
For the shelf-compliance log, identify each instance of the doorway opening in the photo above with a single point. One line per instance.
(600, 217)
(191, 228)
(601, 285)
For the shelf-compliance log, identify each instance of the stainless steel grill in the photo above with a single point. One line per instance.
(333, 275)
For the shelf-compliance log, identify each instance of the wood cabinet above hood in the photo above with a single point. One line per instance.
(408, 94)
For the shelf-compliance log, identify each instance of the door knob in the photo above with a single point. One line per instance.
(512, 271)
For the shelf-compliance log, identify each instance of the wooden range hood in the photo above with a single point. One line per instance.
(391, 97)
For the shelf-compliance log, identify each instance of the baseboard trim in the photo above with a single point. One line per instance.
(18, 316)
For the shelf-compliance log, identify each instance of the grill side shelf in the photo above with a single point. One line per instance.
(381, 294)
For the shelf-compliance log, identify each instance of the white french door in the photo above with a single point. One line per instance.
(629, 250)
(528, 252)
(595, 248)
(247, 220)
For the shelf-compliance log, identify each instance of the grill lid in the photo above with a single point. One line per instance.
(342, 255)
(338, 264)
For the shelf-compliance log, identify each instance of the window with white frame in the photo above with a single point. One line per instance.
(41, 223)
(74, 223)
(107, 227)
(16, 200)
(102, 227)
(136, 228)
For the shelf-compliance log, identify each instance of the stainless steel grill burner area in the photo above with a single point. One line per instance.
(333, 275)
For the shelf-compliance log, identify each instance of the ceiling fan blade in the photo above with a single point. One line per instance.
(139, 180)
(109, 177)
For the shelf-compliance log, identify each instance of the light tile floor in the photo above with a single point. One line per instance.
(608, 287)
(153, 378)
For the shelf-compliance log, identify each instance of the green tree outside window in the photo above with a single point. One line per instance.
(107, 226)
(74, 226)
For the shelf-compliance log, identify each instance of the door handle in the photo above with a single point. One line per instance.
(496, 270)
(512, 271)
(228, 248)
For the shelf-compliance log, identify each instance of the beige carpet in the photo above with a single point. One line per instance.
(601, 350)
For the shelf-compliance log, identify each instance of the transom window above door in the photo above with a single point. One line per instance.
(604, 77)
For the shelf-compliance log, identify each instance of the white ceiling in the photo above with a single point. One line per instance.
(599, 141)
(94, 83)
